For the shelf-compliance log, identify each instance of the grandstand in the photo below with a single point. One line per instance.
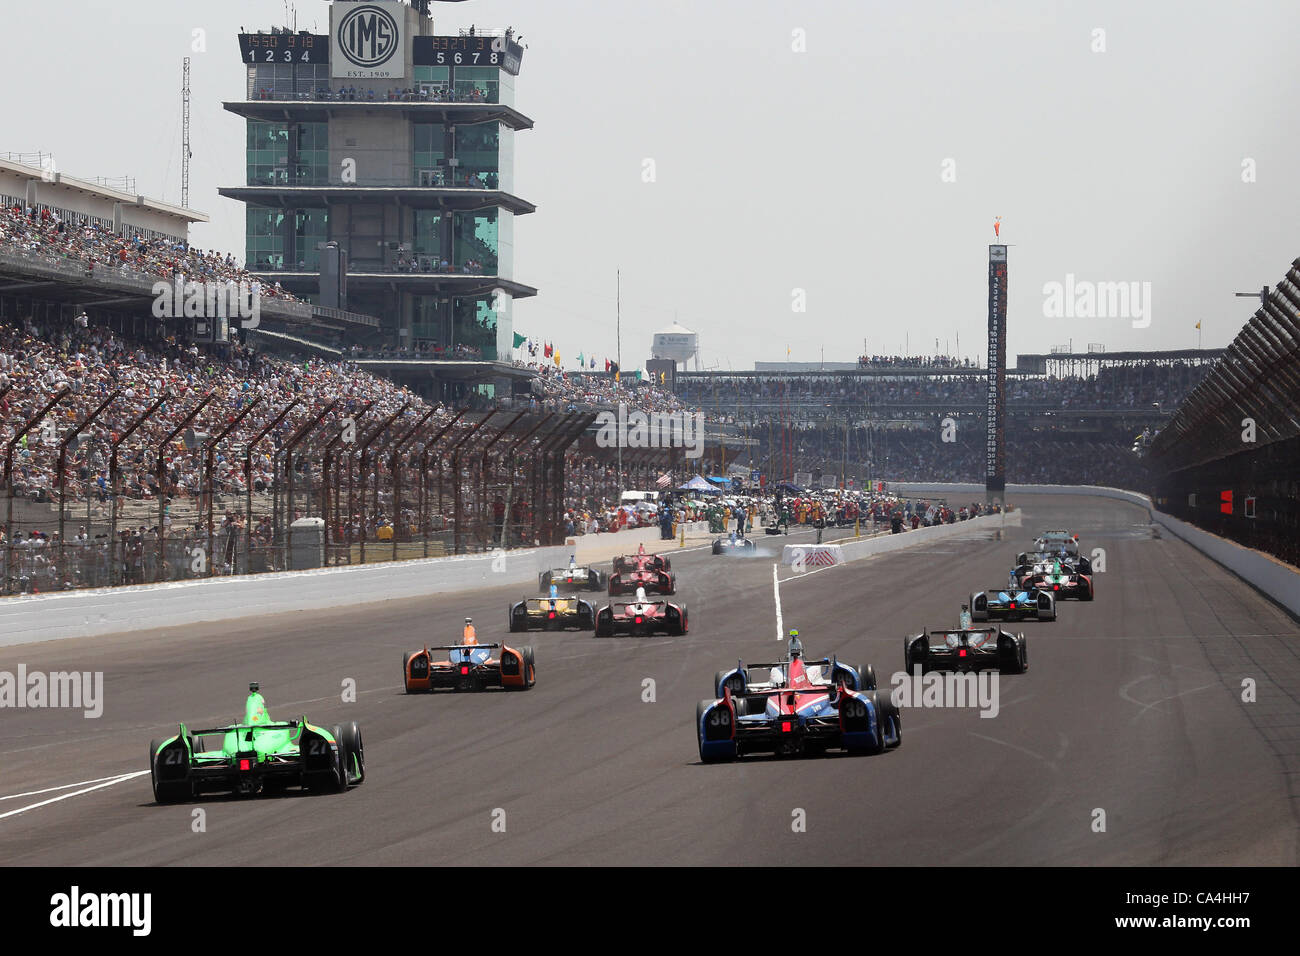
(885, 417)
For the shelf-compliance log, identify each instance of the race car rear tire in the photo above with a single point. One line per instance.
(717, 548)
(356, 752)
(1010, 659)
(681, 627)
(868, 677)
(877, 744)
(917, 660)
(700, 708)
(528, 667)
(1085, 595)
(166, 792)
(340, 782)
(406, 670)
(891, 713)
(544, 581)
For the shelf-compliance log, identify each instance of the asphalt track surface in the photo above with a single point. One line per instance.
(1132, 705)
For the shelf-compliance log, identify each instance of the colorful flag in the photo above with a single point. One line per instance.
(520, 339)
(664, 480)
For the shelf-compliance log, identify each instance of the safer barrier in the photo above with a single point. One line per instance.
(1276, 580)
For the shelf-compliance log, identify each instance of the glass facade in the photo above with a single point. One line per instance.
(312, 167)
(477, 84)
(435, 79)
(430, 154)
(380, 233)
(475, 241)
(268, 154)
(286, 81)
(474, 325)
(270, 246)
(311, 227)
(477, 154)
(271, 161)
(265, 238)
(426, 237)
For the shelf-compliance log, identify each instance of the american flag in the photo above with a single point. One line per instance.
(664, 480)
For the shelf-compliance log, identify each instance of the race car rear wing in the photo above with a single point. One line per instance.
(968, 630)
(808, 663)
(460, 647)
(235, 728)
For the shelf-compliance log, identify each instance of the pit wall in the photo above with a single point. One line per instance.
(812, 556)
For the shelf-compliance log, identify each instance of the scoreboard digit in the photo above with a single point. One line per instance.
(284, 48)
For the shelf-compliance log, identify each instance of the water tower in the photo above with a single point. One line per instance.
(676, 343)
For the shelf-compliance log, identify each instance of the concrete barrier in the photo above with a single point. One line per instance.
(841, 552)
(90, 613)
(813, 555)
(1276, 580)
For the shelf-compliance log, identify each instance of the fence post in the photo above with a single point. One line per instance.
(61, 478)
(9, 476)
(159, 467)
(114, 488)
(248, 481)
(209, 452)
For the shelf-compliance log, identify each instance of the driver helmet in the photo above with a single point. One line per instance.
(640, 596)
(795, 646)
(555, 591)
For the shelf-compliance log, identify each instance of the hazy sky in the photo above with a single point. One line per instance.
(778, 170)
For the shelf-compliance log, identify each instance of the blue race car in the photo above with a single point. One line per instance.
(1012, 603)
(802, 707)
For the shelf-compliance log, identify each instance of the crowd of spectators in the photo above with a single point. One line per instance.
(1138, 387)
(558, 390)
(914, 361)
(425, 94)
(421, 350)
(45, 235)
(921, 454)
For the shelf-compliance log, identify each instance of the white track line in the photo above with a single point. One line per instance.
(776, 592)
(75, 793)
(66, 786)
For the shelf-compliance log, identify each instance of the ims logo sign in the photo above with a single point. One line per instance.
(368, 36)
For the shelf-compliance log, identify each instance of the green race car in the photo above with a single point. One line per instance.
(258, 755)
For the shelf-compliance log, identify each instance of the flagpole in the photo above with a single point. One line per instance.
(618, 351)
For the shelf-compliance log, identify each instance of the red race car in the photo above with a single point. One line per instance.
(650, 571)
(641, 617)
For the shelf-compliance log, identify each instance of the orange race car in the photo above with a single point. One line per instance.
(469, 666)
